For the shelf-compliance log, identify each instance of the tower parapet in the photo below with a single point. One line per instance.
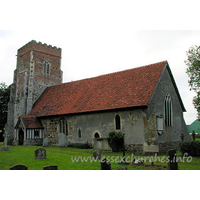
(40, 47)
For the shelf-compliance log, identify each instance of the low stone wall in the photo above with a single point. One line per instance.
(36, 142)
(164, 147)
(101, 144)
(134, 148)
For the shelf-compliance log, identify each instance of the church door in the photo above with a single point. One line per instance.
(21, 137)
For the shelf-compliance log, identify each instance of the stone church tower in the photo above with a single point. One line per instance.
(38, 66)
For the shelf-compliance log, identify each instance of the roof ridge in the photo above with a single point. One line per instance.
(102, 75)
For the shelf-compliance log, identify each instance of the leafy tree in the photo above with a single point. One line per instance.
(193, 71)
(4, 99)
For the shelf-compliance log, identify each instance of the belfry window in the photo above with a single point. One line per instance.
(168, 110)
(117, 122)
(46, 67)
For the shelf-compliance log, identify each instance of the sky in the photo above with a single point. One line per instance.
(100, 37)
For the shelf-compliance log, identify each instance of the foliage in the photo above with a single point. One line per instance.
(81, 146)
(4, 99)
(116, 141)
(193, 71)
(192, 148)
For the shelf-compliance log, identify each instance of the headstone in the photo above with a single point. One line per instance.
(172, 164)
(105, 165)
(182, 137)
(4, 147)
(19, 167)
(61, 140)
(40, 153)
(97, 154)
(45, 142)
(193, 135)
(50, 167)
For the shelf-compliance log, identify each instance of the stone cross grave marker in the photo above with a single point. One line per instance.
(61, 140)
(50, 167)
(4, 147)
(40, 153)
(19, 167)
(172, 164)
(105, 165)
(97, 154)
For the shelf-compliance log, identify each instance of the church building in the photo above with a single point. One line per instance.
(143, 103)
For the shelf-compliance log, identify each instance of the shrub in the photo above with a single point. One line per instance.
(192, 148)
(116, 141)
(185, 147)
(80, 146)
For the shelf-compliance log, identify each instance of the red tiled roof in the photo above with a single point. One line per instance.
(31, 122)
(129, 88)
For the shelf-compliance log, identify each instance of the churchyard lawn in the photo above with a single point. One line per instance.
(62, 157)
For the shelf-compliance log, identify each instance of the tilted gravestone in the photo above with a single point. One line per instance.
(172, 164)
(50, 167)
(40, 153)
(61, 140)
(19, 167)
(105, 165)
(97, 154)
(45, 142)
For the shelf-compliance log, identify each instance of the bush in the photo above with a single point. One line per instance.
(192, 148)
(80, 146)
(116, 141)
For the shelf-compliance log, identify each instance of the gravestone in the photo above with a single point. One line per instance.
(45, 142)
(40, 153)
(50, 167)
(105, 165)
(4, 147)
(61, 140)
(182, 137)
(193, 135)
(19, 167)
(97, 154)
(172, 164)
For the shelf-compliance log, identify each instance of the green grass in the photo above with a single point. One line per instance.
(62, 158)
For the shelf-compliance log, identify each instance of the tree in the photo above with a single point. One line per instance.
(193, 71)
(4, 99)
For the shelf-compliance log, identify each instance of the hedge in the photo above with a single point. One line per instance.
(192, 148)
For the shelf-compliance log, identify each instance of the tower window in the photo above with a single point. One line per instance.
(46, 67)
(117, 122)
(168, 110)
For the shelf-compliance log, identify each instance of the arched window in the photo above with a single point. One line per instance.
(117, 122)
(63, 126)
(79, 133)
(46, 67)
(168, 110)
(96, 135)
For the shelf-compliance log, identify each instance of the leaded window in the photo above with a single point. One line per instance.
(168, 110)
